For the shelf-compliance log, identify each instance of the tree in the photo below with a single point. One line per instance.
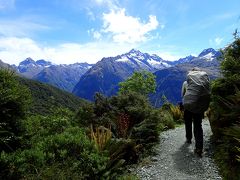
(14, 100)
(225, 111)
(140, 82)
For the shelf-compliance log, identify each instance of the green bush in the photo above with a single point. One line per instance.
(225, 112)
(167, 120)
(14, 102)
(85, 116)
(141, 82)
(174, 111)
(70, 151)
(122, 152)
(135, 105)
(38, 126)
(57, 145)
(133, 121)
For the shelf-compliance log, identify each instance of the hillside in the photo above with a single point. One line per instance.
(46, 97)
(170, 80)
(62, 76)
(5, 65)
(105, 75)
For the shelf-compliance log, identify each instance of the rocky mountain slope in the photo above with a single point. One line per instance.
(63, 76)
(107, 73)
(29, 68)
(169, 80)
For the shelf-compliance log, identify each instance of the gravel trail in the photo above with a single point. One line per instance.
(175, 159)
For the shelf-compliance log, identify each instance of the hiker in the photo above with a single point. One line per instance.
(196, 98)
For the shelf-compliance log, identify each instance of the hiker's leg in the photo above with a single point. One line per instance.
(198, 131)
(188, 125)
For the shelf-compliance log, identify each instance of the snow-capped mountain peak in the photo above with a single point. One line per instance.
(143, 60)
(207, 51)
(136, 54)
(209, 54)
(123, 58)
(134, 51)
(29, 62)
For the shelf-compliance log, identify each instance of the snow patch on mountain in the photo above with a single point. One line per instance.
(209, 57)
(123, 59)
(143, 60)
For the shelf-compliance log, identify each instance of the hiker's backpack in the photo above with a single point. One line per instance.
(197, 96)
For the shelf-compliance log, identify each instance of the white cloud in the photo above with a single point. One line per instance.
(124, 28)
(20, 27)
(6, 4)
(169, 56)
(216, 42)
(13, 50)
(95, 34)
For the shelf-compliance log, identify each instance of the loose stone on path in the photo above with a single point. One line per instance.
(175, 159)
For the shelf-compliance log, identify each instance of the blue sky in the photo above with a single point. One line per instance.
(68, 31)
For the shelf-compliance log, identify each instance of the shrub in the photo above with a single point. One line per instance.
(135, 124)
(14, 102)
(141, 82)
(135, 105)
(167, 120)
(123, 124)
(147, 132)
(225, 112)
(71, 151)
(122, 149)
(101, 136)
(176, 113)
(85, 116)
(38, 126)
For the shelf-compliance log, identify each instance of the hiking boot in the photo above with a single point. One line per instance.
(188, 141)
(199, 152)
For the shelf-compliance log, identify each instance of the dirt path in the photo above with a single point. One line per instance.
(175, 160)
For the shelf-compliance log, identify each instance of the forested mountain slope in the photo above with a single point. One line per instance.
(46, 97)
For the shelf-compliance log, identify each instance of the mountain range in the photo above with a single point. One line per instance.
(84, 80)
(107, 73)
(169, 81)
(63, 76)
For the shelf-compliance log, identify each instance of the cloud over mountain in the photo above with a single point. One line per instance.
(124, 28)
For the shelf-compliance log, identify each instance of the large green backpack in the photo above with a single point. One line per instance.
(197, 96)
